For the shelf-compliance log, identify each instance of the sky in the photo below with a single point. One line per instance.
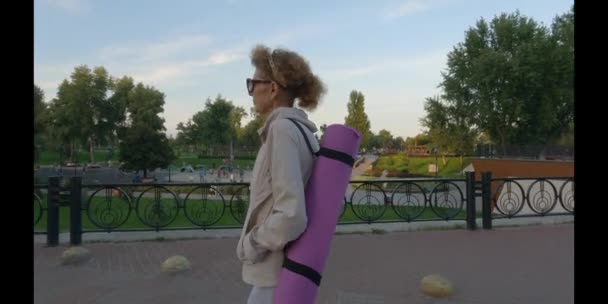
(392, 51)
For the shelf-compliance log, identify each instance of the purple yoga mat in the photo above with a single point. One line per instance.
(324, 199)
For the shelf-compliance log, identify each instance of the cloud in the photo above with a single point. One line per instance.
(166, 64)
(412, 7)
(75, 7)
(155, 50)
(224, 56)
(160, 74)
(168, 61)
(166, 74)
(435, 59)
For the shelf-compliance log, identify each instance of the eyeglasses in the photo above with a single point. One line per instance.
(252, 82)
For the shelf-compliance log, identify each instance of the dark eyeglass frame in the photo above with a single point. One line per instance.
(252, 82)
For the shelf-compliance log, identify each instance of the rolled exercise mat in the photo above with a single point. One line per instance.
(305, 257)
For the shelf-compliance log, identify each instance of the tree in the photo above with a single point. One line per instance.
(562, 39)
(357, 118)
(63, 128)
(235, 116)
(249, 134)
(418, 140)
(437, 122)
(215, 121)
(40, 116)
(39, 110)
(84, 115)
(145, 104)
(398, 143)
(186, 136)
(88, 98)
(117, 105)
(145, 145)
(145, 149)
(511, 79)
(385, 139)
(450, 127)
(101, 123)
(372, 142)
(219, 123)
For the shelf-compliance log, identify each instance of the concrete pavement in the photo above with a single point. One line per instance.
(530, 264)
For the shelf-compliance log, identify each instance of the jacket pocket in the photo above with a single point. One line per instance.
(261, 192)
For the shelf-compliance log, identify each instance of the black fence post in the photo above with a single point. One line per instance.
(470, 190)
(486, 193)
(75, 211)
(52, 212)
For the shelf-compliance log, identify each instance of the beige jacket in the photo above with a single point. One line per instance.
(277, 210)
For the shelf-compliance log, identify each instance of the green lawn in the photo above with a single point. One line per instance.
(401, 163)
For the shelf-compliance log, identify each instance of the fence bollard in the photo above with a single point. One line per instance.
(486, 188)
(75, 211)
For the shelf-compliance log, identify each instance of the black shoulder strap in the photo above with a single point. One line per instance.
(304, 135)
(329, 153)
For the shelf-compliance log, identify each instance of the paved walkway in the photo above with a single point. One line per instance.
(532, 264)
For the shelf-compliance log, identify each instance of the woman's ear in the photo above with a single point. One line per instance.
(274, 90)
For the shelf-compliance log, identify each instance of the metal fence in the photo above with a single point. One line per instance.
(68, 204)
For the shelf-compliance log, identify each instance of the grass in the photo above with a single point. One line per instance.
(396, 162)
(194, 206)
(401, 165)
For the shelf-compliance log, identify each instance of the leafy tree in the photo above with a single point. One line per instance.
(511, 79)
(357, 118)
(145, 145)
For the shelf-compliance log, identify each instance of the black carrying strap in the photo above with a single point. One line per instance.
(302, 270)
(304, 135)
(337, 155)
(329, 153)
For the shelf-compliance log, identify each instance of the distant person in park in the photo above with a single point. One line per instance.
(283, 165)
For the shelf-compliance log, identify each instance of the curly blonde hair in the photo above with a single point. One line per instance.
(292, 72)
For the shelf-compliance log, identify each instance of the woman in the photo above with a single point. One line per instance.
(277, 209)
